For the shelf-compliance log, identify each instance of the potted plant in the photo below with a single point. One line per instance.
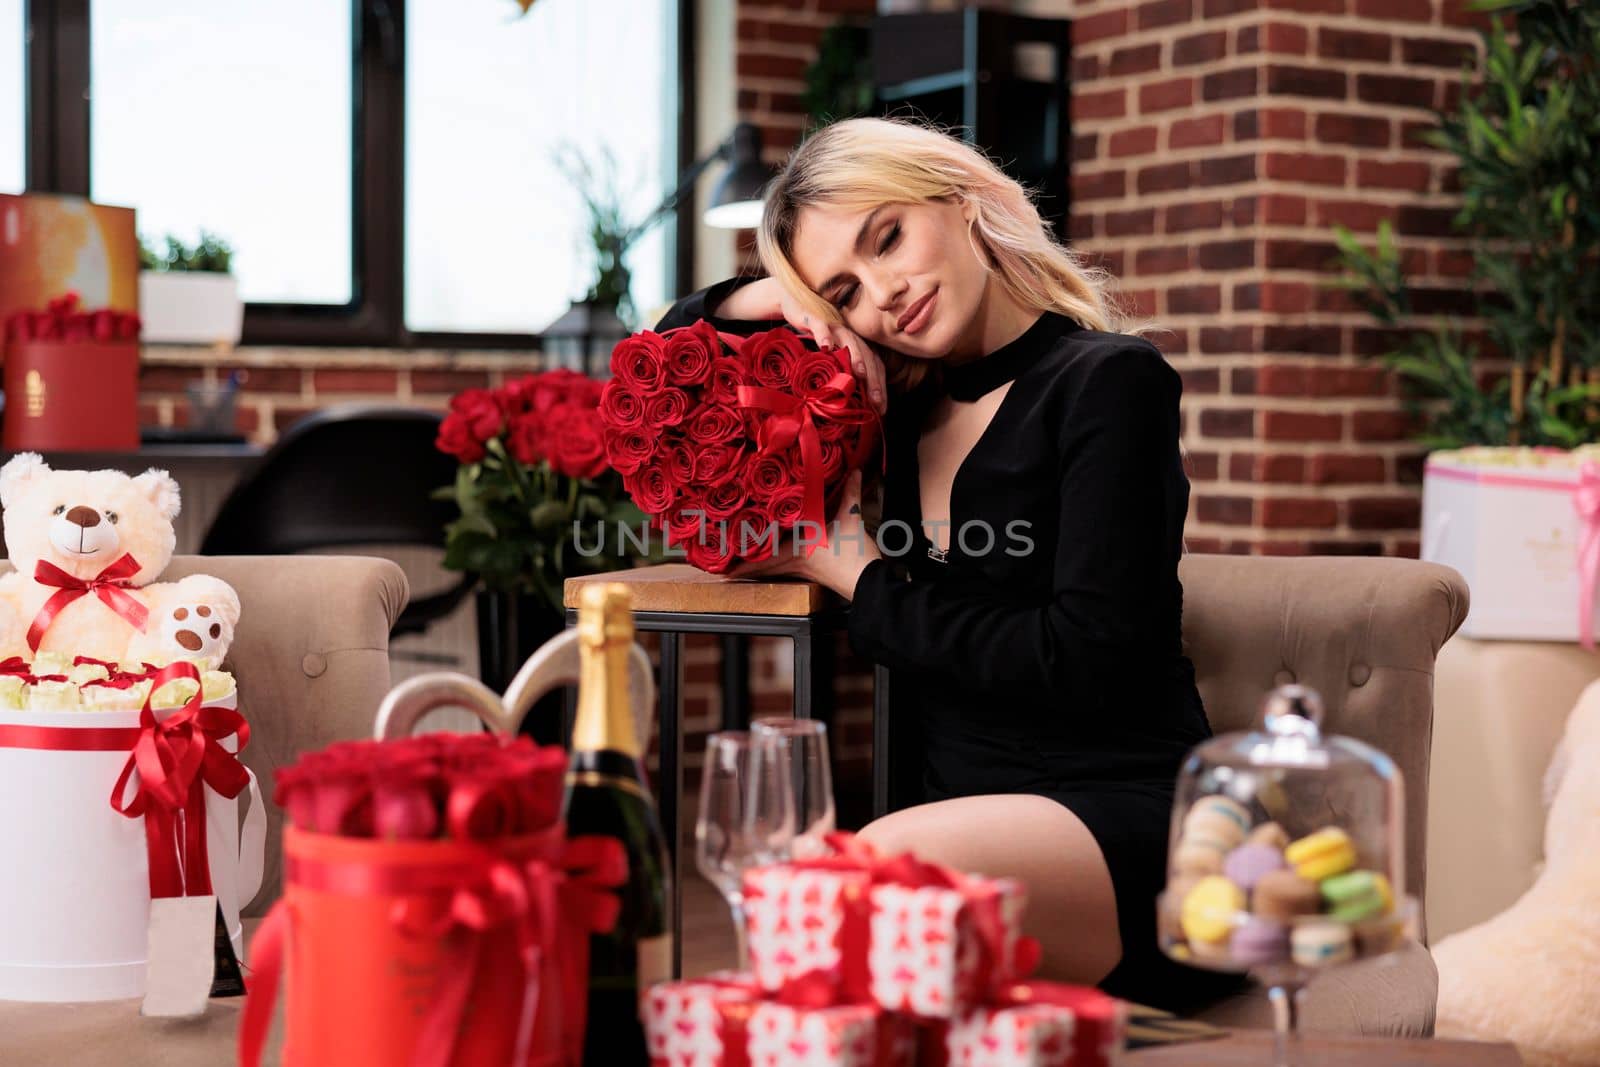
(187, 295)
(1514, 463)
(539, 503)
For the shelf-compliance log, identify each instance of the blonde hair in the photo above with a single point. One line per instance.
(859, 164)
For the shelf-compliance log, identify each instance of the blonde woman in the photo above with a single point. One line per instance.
(1023, 581)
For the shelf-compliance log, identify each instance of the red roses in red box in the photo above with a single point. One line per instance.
(727, 442)
(71, 379)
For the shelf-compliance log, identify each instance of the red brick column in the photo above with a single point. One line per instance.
(1217, 142)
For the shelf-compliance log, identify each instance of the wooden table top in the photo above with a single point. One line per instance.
(1253, 1048)
(680, 587)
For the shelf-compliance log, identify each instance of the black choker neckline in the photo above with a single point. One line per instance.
(968, 381)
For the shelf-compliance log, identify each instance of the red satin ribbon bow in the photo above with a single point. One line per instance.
(174, 758)
(793, 418)
(110, 585)
(553, 909)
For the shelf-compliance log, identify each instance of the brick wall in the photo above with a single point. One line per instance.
(1216, 143)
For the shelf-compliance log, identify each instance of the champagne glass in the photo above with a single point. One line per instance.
(746, 816)
(805, 742)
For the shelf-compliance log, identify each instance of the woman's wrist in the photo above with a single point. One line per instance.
(755, 301)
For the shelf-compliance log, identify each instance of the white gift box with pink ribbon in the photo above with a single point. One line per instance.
(1522, 526)
(75, 902)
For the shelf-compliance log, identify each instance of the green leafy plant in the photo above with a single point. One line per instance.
(839, 79)
(212, 255)
(610, 233)
(1529, 165)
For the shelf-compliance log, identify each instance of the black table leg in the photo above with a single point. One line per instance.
(735, 681)
(803, 677)
(880, 741)
(671, 784)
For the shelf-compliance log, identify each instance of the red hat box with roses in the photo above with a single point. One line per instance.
(80, 836)
(71, 379)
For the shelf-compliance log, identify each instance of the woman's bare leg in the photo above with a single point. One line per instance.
(1072, 909)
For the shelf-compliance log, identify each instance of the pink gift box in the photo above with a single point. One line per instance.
(930, 951)
(721, 1021)
(1032, 1024)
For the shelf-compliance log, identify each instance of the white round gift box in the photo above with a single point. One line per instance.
(75, 902)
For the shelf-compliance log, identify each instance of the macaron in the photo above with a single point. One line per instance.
(1283, 895)
(1199, 855)
(1259, 940)
(1320, 943)
(1219, 818)
(1169, 907)
(1246, 864)
(1270, 834)
(1321, 855)
(1210, 909)
(1357, 895)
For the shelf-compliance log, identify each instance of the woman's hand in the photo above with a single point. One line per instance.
(765, 299)
(838, 566)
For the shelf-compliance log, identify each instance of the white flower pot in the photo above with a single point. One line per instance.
(189, 307)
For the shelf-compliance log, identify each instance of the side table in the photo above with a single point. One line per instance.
(1253, 1048)
(674, 599)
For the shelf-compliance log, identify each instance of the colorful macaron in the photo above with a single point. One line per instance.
(1210, 908)
(1259, 940)
(1320, 942)
(1321, 855)
(1357, 895)
(1283, 895)
(1199, 855)
(1246, 864)
(1218, 818)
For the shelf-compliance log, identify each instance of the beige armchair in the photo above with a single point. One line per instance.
(312, 660)
(1364, 633)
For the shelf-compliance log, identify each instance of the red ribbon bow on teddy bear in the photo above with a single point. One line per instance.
(110, 585)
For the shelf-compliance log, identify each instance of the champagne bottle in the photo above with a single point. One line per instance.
(606, 795)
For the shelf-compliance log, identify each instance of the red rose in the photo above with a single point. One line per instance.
(403, 806)
(527, 439)
(456, 439)
(815, 370)
(652, 488)
(832, 460)
(766, 474)
(679, 458)
(717, 464)
(687, 522)
(576, 442)
(627, 450)
(622, 408)
(724, 379)
(483, 411)
(640, 362)
(755, 535)
(714, 556)
(714, 424)
(666, 408)
(787, 505)
(723, 501)
(690, 353)
(771, 355)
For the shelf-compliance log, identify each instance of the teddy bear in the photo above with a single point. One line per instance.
(1530, 974)
(87, 548)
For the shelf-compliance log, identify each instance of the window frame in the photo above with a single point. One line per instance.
(56, 122)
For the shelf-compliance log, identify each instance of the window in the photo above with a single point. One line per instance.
(496, 233)
(13, 98)
(232, 116)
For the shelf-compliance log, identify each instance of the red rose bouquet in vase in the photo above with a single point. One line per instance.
(434, 910)
(731, 443)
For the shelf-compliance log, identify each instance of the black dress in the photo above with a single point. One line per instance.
(1042, 653)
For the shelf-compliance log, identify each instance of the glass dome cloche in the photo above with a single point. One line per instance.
(1286, 855)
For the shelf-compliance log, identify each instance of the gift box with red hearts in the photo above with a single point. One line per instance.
(1032, 1024)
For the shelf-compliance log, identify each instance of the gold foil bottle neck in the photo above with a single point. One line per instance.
(605, 641)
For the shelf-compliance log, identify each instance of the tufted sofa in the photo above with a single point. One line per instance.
(1364, 633)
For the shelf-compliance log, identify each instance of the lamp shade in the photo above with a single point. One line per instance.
(736, 198)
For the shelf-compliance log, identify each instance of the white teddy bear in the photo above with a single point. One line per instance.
(1531, 975)
(87, 547)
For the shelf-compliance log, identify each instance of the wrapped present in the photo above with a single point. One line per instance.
(1032, 1024)
(909, 936)
(722, 1020)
